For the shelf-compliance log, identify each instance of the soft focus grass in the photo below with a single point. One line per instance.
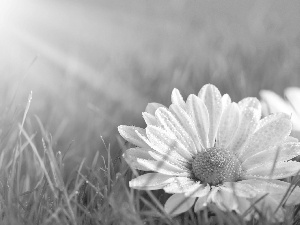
(93, 66)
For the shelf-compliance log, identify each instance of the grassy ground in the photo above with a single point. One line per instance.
(90, 71)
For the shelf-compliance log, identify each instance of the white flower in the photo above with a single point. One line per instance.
(212, 150)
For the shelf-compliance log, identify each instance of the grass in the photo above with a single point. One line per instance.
(33, 189)
(54, 166)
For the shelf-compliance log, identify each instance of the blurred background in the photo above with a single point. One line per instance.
(93, 64)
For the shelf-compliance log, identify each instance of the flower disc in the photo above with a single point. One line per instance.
(215, 166)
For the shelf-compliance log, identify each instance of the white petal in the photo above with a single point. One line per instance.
(280, 153)
(296, 122)
(228, 200)
(212, 98)
(248, 122)
(172, 125)
(267, 186)
(240, 189)
(272, 133)
(212, 194)
(291, 139)
(164, 167)
(175, 158)
(225, 199)
(275, 102)
(178, 203)
(276, 188)
(199, 114)
(267, 206)
(150, 119)
(152, 107)
(226, 100)
(172, 157)
(265, 108)
(270, 118)
(151, 181)
(243, 206)
(131, 155)
(129, 134)
(142, 135)
(198, 190)
(201, 203)
(179, 185)
(228, 125)
(281, 170)
(165, 142)
(293, 95)
(250, 102)
(177, 99)
(292, 198)
(187, 123)
(188, 187)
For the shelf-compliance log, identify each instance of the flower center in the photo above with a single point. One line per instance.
(216, 165)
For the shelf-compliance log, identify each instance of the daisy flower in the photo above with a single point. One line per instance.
(274, 103)
(210, 150)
